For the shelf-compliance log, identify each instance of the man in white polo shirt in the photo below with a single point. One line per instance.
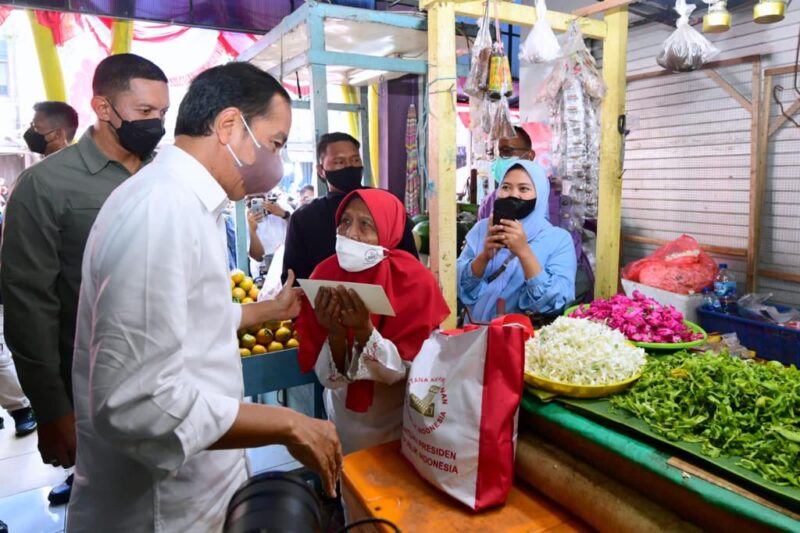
(157, 376)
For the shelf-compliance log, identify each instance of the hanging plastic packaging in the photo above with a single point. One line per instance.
(686, 49)
(574, 92)
(500, 83)
(501, 122)
(541, 45)
(478, 79)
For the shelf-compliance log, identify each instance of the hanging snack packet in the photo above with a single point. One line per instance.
(686, 49)
(500, 82)
(541, 45)
(478, 79)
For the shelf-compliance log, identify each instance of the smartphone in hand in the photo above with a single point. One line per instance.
(257, 207)
(502, 211)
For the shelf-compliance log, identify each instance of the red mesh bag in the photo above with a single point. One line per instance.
(680, 266)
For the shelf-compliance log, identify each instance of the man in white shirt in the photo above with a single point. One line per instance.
(157, 376)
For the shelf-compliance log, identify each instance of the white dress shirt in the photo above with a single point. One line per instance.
(157, 376)
(380, 362)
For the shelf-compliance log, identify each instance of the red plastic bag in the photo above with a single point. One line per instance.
(680, 266)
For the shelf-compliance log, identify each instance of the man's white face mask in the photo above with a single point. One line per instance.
(356, 256)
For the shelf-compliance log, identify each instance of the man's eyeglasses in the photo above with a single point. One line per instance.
(508, 151)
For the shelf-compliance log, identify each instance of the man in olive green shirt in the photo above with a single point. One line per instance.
(47, 222)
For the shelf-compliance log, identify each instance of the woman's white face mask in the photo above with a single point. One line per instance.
(356, 256)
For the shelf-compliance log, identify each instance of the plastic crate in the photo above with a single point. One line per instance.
(769, 341)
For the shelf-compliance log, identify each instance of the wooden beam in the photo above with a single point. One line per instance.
(49, 62)
(781, 120)
(782, 276)
(779, 71)
(442, 149)
(731, 90)
(520, 15)
(615, 48)
(601, 7)
(758, 152)
(696, 471)
(718, 250)
(714, 64)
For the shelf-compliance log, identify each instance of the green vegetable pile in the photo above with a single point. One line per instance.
(730, 406)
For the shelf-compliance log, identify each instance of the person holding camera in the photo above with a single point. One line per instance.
(515, 260)
(268, 220)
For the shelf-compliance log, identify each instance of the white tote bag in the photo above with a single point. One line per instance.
(460, 413)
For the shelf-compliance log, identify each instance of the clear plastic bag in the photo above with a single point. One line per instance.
(478, 79)
(501, 123)
(754, 306)
(686, 49)
(541, 45)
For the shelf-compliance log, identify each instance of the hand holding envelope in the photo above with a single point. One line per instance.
(373, 296)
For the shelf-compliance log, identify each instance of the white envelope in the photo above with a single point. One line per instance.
(373, 296)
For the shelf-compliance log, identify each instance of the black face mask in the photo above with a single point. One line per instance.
(512, 208)
(347, 179)
(139, 137)
(35, 141)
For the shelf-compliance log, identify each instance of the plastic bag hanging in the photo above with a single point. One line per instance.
(501, 122)
(541, 45)
(686, 49)
(478, 79)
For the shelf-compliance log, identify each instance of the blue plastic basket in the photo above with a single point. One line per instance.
(769, 341)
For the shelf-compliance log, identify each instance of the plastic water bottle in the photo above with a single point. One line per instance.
(710, 300)
(725, 289)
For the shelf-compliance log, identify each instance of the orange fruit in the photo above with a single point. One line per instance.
(292, 343)
(238, 294)
(264, 336)
(246, 284)
(237, 276)
(233, 284)
(247, 341)
(244, 352)
(259, 349)
(254, 293)
(246, 300)
(283, 334)
(275, 347)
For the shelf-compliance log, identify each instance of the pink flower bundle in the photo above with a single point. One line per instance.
(640, 319)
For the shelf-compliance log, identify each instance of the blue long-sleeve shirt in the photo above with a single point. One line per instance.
(551, 290)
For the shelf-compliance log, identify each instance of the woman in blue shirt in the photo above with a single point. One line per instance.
(523, 265)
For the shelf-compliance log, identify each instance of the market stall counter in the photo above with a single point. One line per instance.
(708, 497)
(379, 483)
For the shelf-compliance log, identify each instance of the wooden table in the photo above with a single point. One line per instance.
(380, 483)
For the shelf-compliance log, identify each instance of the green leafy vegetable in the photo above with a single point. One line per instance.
(731, 407)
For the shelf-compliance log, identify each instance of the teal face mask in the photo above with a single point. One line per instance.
(500, 166)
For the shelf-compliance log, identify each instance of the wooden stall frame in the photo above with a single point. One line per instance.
(758, 130)
(768, 129)
(613, 30)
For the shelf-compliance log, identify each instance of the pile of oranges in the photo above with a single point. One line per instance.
(243, 288)
(271, 336)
